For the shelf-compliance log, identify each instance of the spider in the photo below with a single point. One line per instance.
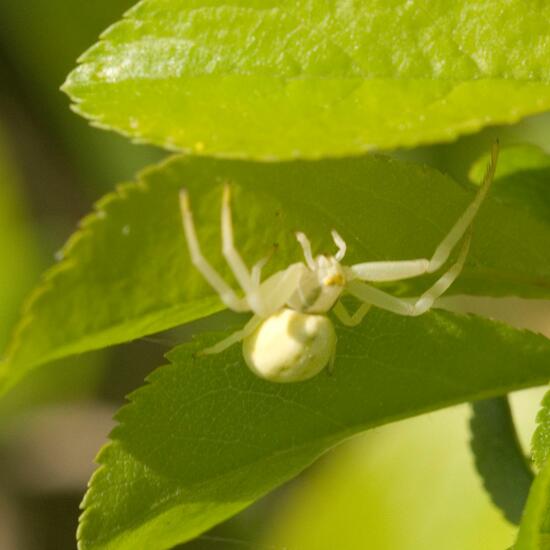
(290, 337)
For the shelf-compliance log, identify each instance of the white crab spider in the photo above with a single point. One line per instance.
(290, 337)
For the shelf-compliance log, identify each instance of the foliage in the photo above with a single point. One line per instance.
(60, 380)
(88, 300)
(257, 434)
(279, 81)
(274, 80)
(499, 458)
(533, 533)
(360, 492)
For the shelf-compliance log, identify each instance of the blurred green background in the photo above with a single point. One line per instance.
(408, 486)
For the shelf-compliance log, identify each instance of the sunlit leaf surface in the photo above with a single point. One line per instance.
(417, 474)
(291, 78)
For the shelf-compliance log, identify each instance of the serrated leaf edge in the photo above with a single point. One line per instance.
(332, 441)
(84, 231)
(463, 127)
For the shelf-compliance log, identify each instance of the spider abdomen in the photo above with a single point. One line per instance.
(290, 346)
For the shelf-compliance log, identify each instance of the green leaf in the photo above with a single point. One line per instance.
(522, 177)
(310, 78)
(541, 437)
(206, 437)
(534, 532)
(126, 273)
(499, 458)
(410, 485)
(19, 265)
(523, 157)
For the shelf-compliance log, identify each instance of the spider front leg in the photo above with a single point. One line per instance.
(306, 247)
(249, 282)
(226, 293)
(395, 271)
(410, 306)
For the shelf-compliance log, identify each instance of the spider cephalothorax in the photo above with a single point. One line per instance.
(290, 337)
(323, 279)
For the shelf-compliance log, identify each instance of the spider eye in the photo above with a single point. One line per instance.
(336, 279)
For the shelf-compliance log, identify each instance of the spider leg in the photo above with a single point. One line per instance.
(277, 290)
(410, 306)
(306, 247)
(256, 271)
(237, 336)
(226, 293)
(344, 316)
(249, 282)
(340, 245)
(395, 271)
(274, 292)
(230, 253)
